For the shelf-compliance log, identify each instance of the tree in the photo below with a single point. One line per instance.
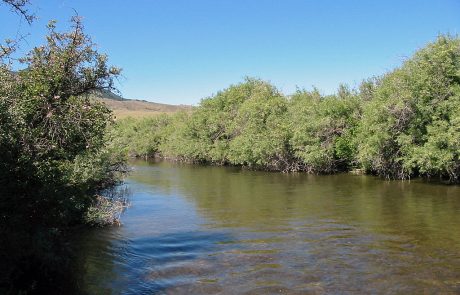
(53, 124)
(54, 155)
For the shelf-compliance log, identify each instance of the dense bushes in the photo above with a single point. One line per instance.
(140, 138)
(403, 124)
(53, 150)
(411, 125)
(54, 156)
(252, 124)
(322, 130)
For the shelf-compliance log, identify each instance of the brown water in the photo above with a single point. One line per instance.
(215, 230)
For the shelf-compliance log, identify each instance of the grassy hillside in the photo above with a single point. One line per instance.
(123, 107)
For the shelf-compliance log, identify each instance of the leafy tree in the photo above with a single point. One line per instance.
(54, 156)
(50, 126)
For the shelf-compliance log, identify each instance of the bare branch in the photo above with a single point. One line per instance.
(20, 7)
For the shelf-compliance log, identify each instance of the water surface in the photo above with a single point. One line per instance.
(216, 230)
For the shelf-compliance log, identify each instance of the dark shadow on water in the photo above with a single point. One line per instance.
(38, 262)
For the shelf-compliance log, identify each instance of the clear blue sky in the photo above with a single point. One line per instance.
(176, 52)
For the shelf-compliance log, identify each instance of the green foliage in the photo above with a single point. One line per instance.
(400, 125)
(54, 156)
(411, 125)
(241, 125)
(53, 151)
(252, 124)
(322, 129)
(139, 138)
(181, 142)
(223, 129)
(257, 131)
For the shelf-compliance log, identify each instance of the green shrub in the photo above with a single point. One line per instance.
(410, 127)
(400, 125)
(54, 156)
(139, 137)
(322, 130)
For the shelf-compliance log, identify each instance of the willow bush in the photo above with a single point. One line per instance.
(323, 128)
(140, 138)
(54, 155)
(400, 125)
(411, 125)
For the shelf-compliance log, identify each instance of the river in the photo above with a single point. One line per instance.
(218, 230)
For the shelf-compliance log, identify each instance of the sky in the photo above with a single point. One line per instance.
(180, 51)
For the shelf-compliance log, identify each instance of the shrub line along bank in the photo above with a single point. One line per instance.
(403, 124)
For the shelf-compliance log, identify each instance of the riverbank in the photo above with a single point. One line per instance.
(401, 125)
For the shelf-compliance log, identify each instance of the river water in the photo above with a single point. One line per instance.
(216, 230)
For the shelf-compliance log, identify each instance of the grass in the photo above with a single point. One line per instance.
(141, 109)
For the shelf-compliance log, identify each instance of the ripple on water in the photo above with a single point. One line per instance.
(199, 231)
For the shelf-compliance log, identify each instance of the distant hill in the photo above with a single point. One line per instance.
(123, 107)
